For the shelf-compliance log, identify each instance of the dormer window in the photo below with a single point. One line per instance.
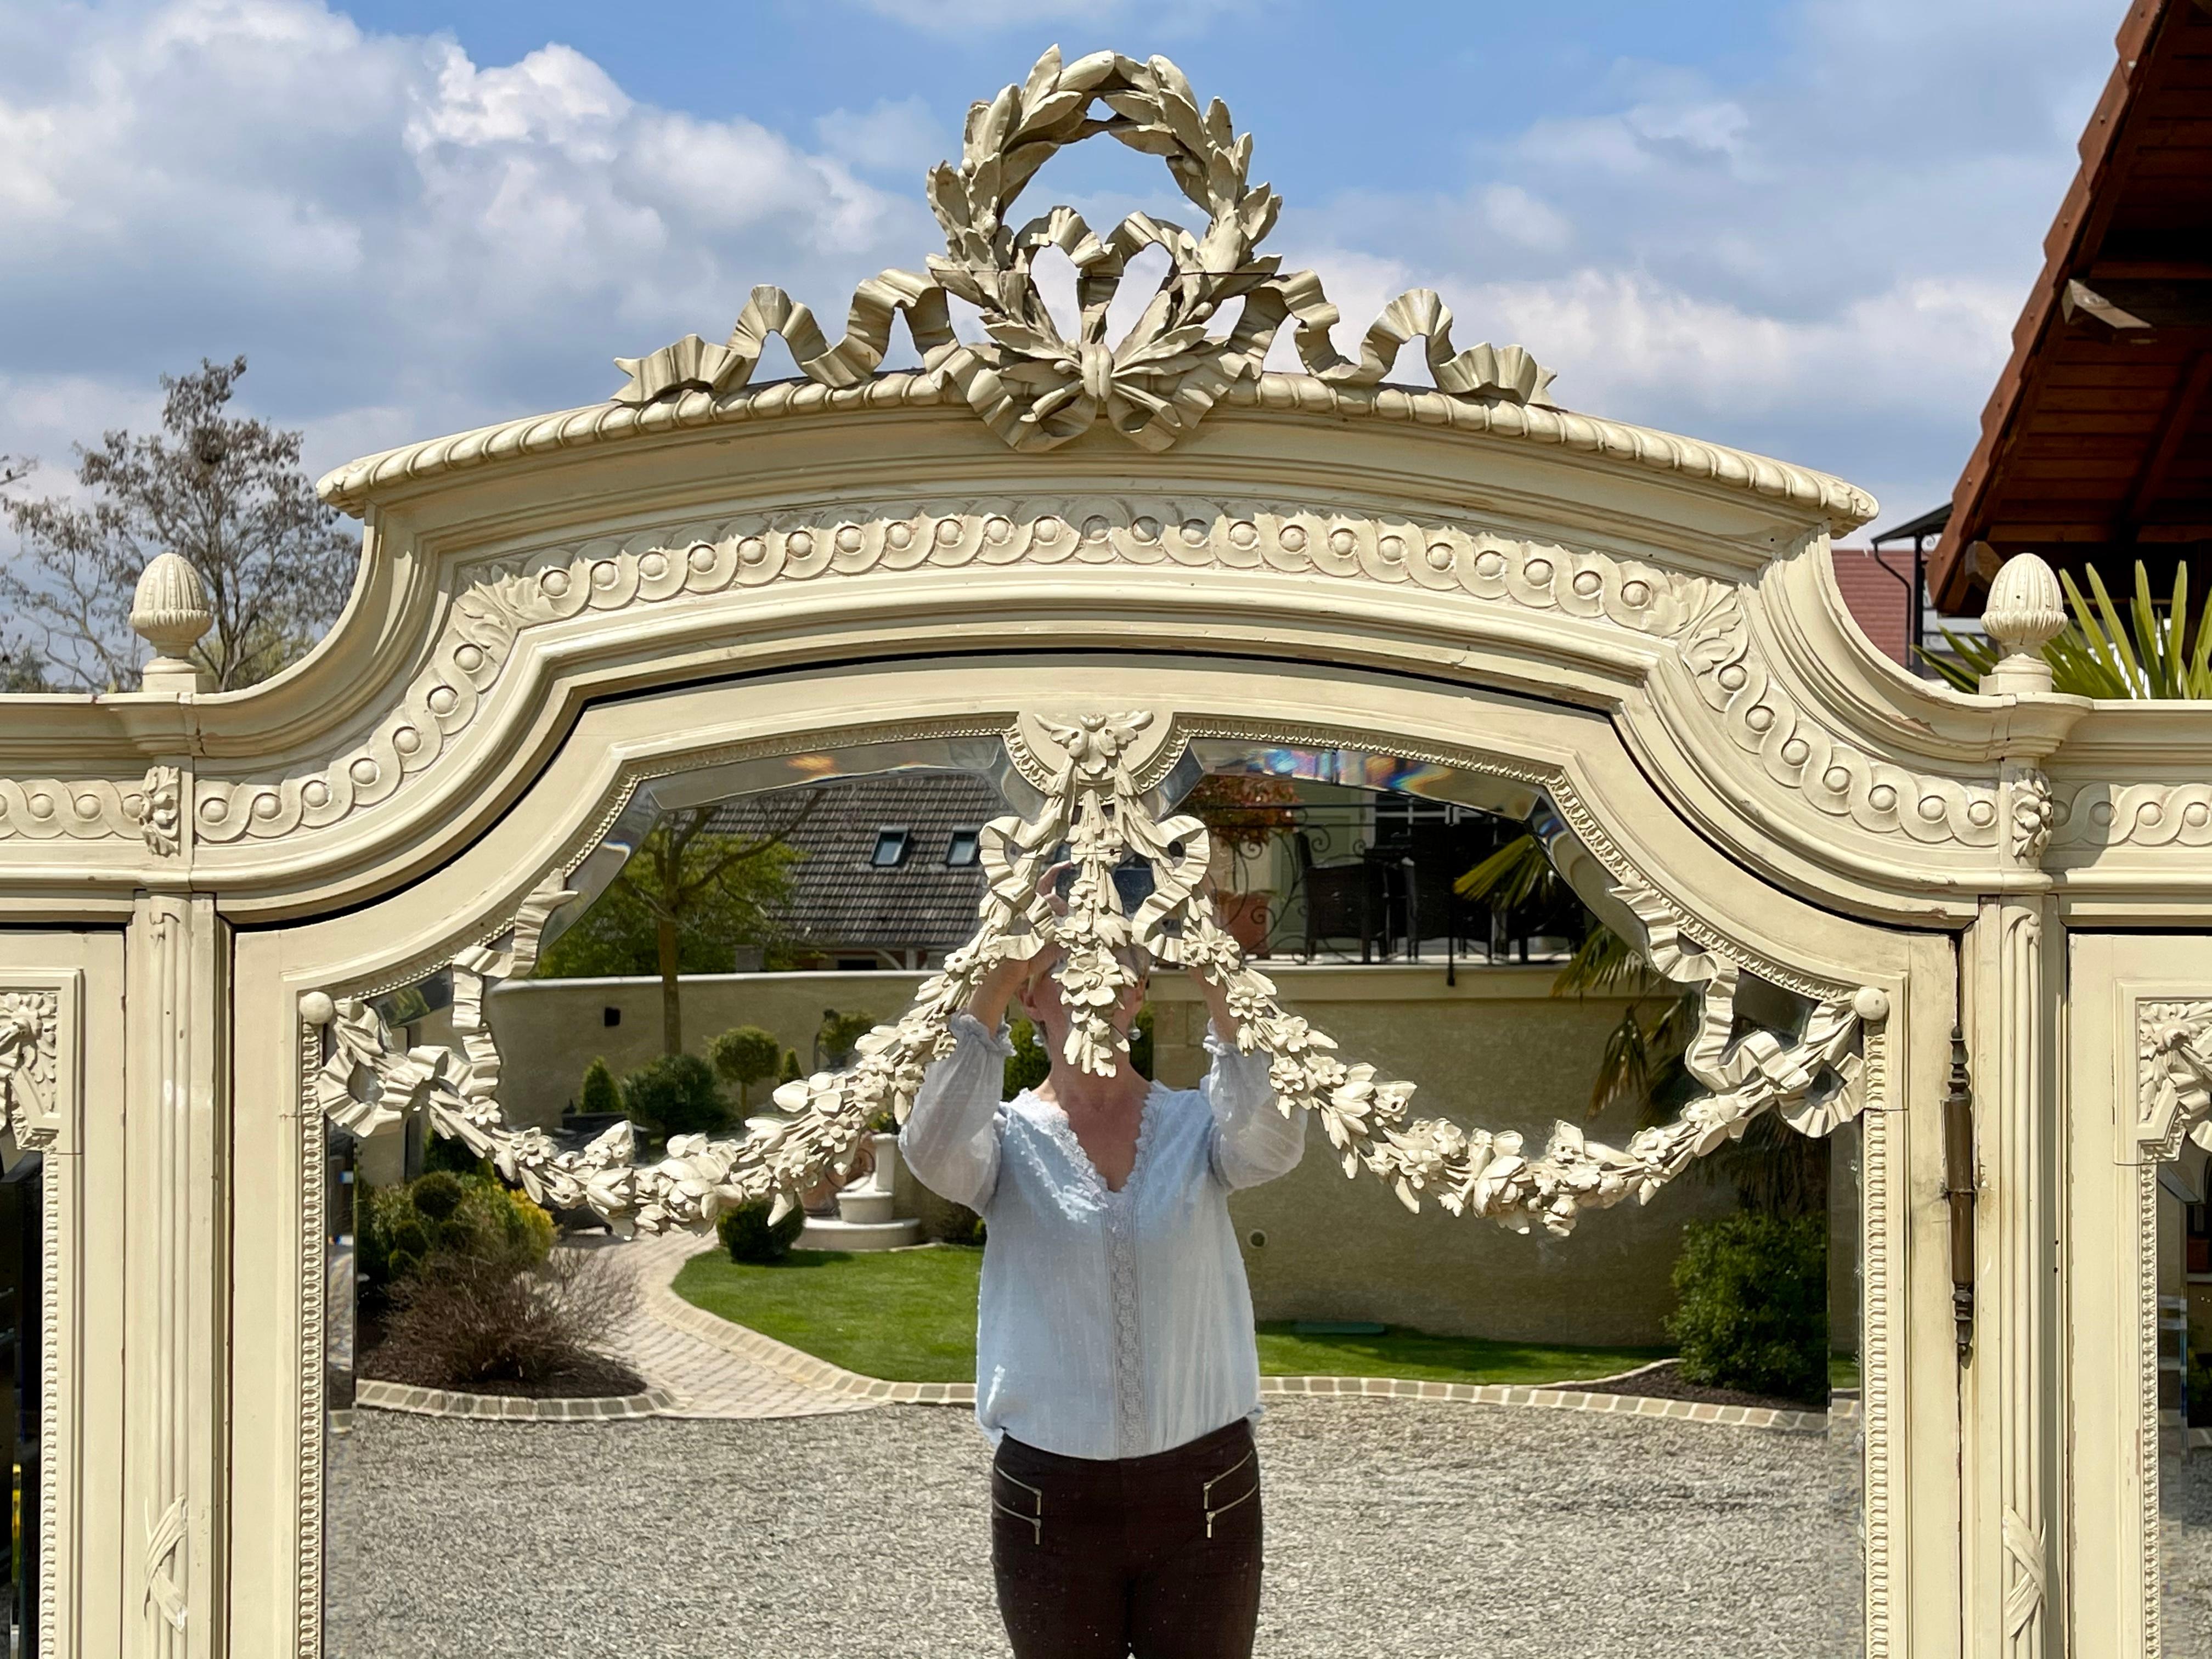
(963, 849)
(890, 849)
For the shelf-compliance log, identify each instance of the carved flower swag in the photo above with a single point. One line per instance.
(1096, 773)
(1032, 386)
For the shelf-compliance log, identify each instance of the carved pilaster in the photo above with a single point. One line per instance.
(175, 1268)
(2011, 1382)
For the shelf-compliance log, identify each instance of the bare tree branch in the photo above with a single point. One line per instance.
(227, 493)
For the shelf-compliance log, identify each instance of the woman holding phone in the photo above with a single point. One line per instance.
(1116, 1372)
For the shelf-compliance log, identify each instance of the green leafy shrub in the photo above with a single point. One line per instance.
(437, 1194)
(1029, 1065)
(454, 1156)
(965, 1227)
(839, 1032)
(675, 1095)
(746, 1234)
(791, 1071)
(1031, 1062)
(600, 1093)
(745, 1055)
(401, 1231)
(1754, 1314)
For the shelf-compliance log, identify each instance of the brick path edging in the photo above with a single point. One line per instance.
(802, 1367)
(445, 1402)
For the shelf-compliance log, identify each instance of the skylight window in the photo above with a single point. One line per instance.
(962, 850)
(890, 849)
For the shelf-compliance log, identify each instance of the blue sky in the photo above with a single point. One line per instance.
(1802, 226)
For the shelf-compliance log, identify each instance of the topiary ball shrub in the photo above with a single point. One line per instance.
(746, 1234)
(745, 1055)
(437, 1194)
(1754, 1314)
(676, 1095)
(599, 1095)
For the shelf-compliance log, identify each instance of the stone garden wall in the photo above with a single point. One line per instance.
(1497, 1048)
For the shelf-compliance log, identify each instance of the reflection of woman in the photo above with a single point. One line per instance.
(1115, 1369)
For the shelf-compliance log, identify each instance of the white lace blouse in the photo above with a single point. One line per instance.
(1111, 1323)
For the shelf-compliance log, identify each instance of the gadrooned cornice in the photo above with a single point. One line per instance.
(353, 487)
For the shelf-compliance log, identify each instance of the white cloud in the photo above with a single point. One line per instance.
(1824, 263)
(401, 240)
(1162, 17)
(1524, 219)
(902, 138)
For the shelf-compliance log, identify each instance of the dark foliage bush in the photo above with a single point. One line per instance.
(600, 1093)
(676, 1095)
(438, 1195)
(791, 1071)
(453, 1157)
(1031, 1062)
(746, 1234)
(964, 1227)
(1754, 1314)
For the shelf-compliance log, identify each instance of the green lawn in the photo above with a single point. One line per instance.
(908, 1315)
(911, 1316)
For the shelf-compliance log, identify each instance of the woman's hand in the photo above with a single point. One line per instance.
(1217, 1002)
(1006, 976)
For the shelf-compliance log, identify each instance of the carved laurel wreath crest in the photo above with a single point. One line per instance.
(1097, 773)
(1030, 384)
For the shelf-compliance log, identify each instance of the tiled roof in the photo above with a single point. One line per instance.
(1878, 588)
(839, 899)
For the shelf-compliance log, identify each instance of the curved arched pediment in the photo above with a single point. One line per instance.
(499, 597)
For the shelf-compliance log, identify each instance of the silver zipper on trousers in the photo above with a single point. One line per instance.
(1036, 1521)
(1225, 1507)
(1206, 1492)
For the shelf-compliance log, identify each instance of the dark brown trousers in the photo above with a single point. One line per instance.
(1158, 1555)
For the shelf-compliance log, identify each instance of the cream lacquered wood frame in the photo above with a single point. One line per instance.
(703, 576)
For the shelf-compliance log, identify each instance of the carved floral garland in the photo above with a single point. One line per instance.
(29, 1063)
(2174, 1042)
(1097, 772)
(1032, 386)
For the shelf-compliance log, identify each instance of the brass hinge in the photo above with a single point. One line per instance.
(1959, 1183)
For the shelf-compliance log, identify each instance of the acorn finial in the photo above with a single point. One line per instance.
(2025, 612)
(169, 612)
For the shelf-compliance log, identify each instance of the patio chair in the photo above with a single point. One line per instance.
(1345, 898)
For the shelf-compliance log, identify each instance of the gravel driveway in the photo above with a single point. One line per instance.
(1392, 1528)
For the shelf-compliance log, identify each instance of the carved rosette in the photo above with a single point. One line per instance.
(2032, 813)
(1097, 772)
(161, 818)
